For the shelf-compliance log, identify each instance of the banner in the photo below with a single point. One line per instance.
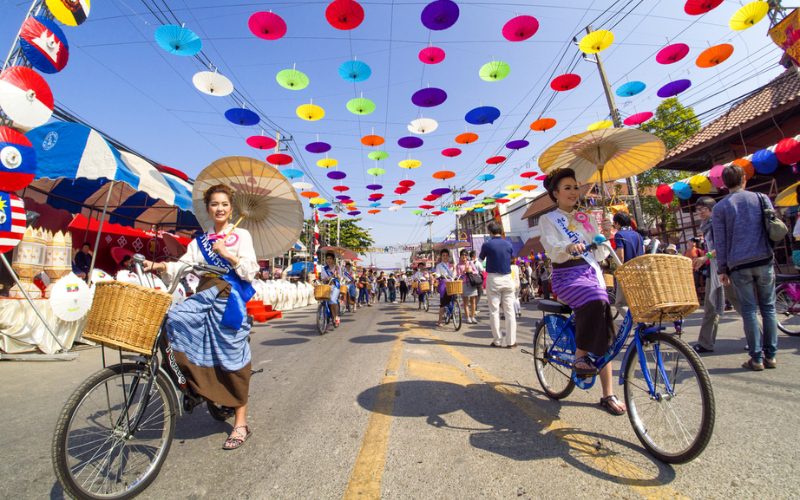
(786, 35)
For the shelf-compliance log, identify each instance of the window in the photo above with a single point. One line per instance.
(533, 221)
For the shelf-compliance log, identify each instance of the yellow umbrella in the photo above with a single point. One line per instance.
(748, 15)
(327, 162)
(600, 125)
(788, 197)
(513, 187)
(596, 41)
(310, 112)
(410, 163)
(513, 195)
(700, 184)
(317, 201)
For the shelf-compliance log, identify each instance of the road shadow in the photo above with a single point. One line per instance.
(285, 341)
(372, 339)
(199, 424)
(442, 341)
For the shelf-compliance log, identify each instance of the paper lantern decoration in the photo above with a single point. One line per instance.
(378, 155)
(494, 71)
(451, 152)
(665, 194)
(267, 25)
(17, 160)
(439, 15)
(543, 124)
(12, 221)
(682, 190)
(747, 166)
(242, 116)
(44, 44)
(565, 82)
(520, 28)
(700, 184)
(466, 138)
(361, 106)
(344, 14)
(715, 176)
(630, 89)
(748, 15)
(355, 71)
(372, 140)
(698, 7)
(672, 53)
(310, 112)
(764, 161)
(787, 150)
(714, 56)
(596, 41)
(261, 142)
(69, 12)
(292, 79)
(318, 147)
(431, 55)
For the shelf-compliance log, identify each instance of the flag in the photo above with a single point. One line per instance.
(12, 221)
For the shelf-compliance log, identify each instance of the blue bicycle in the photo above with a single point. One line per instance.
(453, 313)
(667, 388)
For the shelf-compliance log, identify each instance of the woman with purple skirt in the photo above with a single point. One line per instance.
(577, 279)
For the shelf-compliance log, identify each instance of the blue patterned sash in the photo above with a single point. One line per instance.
(241, 290)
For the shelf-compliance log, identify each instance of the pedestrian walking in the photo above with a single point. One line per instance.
(363, 289)
(469, 275)
(391, 284)
(516, 280)
(499, 286)
(403, 286)
(446, 272)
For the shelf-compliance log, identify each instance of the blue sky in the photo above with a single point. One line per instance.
(122, 83)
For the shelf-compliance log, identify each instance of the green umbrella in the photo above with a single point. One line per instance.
(378, 155)
(360, 106)
(376, 171)
(488, 200)
(418, 212)
(292, 79)
(453, 209)
(494, 71)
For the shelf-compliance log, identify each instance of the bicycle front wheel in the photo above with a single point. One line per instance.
(322, 319)
(456, 315)
(426, 302)
(787, 309)
(113, 435)
(675, 420)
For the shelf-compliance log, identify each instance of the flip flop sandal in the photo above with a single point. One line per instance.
(232, 442)
(612, 405)
(587, 370)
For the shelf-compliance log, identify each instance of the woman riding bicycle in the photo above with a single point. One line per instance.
(330, 276)
(209, 332)
(446, 272)
(578, 280)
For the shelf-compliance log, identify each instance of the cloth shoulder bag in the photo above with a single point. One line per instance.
(774, 226)
(474, 278)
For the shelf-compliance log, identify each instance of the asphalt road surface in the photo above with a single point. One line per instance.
(389, 406)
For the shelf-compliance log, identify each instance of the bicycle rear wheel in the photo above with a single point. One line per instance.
(555, 378)
(787, 309)
(322, 318)
(676, 422)
(99, 450)
(456, 315)
(426, 302)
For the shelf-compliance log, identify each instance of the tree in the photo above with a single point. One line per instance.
(351, 235)
(673, 123)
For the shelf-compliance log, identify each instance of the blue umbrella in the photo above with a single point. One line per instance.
(178, 40)
(485, 177)
(630, 89)
(292, 173)
(375, 205)
(499, 195)
(355, 71)
(242, 116)
(482, 115)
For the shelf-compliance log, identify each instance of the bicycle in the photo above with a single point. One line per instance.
(324, 317)
(660, 372)
(787, 303)
(453, 313)
(115, 431)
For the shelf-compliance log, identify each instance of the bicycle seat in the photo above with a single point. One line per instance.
(782, 278)
(551, 306)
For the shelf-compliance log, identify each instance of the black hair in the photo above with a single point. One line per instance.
(732, 176)
(463, 252)
(494, 228)
(330, 254)
(708, 202)
(473, 253)
(555, 177)
(623, 219)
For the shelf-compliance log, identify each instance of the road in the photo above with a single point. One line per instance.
(388, 406)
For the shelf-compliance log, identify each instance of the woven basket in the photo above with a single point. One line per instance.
(322, 292)
(414, 285)
(609, 278)
(343, 289)
(424, 286)
(127, 316)
(455, 287)
(658, 287)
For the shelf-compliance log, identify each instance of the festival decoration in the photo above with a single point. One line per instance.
(565, 82)
(517, 144)
(700, 184)
(673, 88)
(714, 55)
(748, 15)
(327, 162)
(431, 55)
(672, 53)
(786, 35)
(631, 89)
(304, 187)
(69, 12)
(466, 138)
(376, 171)
(451, 152)
(596, 41)
(44, 44)
(787, 150)
(267, 25)
(355, 71)
(361, 106)
(637, 118)
(344, 14)
(482, 115)
(698, 7)
(682, 190)
(520, 28)
(747, 166)
(279, 159)
(715, 176)
(70, 298)
(407, 183)
(410, 164)
(318, 147)
(422, 126)
(476, 192)
(17, 160)
(310, 112)
(410, 142)
(439, 15)
(429, 97)
(665, 194)
(12, 221)
(212, 83)
(372, 140)
(440, 191)
(494, 71)
(292, 173)
(242, 116)
(528, 187)
(543, 124)
(292, 79)
(261, 142)
(600, 125)
(443, 175)
(764, 161)
(341, 189)
(378, 155)
(317, 201)
(25, 97)
(495, 160)
(485, 177)
(178, 40)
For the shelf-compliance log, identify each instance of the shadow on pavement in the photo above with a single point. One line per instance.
(372, 339)
(284, 341)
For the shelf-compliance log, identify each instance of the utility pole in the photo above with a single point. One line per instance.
(456, 193)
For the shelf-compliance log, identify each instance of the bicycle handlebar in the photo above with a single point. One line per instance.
(138, 261)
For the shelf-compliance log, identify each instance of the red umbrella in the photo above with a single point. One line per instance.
(173, 171)
(401, 190)
(341, 189)
(407, 183)
(494, 160)
(267, 25)
(375, 196)
(426, 207)
(431, 197)
(261, 142)
(501, 200)
(672, 53)
(437, 213)
(279, 159)
(25, 97)
(697, 7)
(520, 28)
(565, 82)
(543, 124)
(451, 152)
(331, 216)
(431, 55)
(344, 14)
(529, 174)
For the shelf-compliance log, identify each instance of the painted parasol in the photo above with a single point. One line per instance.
(596, 41)
(423, 126)
(355, 71)
(292, 173)
(376, 171)
(520, 28)
(70, 298)
(674, 88)
(431, 55)
(466, 138)
(372, 140)
(267, 25)
(451, 152)
(292, 79)
(485, 177)
(494, 71)
(788, 197)
(565, 82)
(310, 112)
(212, 83)
(344, 14)
(429, 97)
(261, 142)
(748, 15)
(698, 7)
(517, 144)
(25, 97)
(327, 162)
(439, 15)
(495, 160)
(443, 175)
(44, 44)
(410, 142)
(69, 12)
(409, 164)
(344, 253)
(637, 118)
(407, 183)
(672, 53)
(336, 175)
(279, 159)
(630, 89)
(530, 174)
(17, 160)
(482, 115)
(242, 116)
(543, 124)
(178, 40)
(318, 147)
(600, 125)
(378, 155)
(714, 55)
(361, 106)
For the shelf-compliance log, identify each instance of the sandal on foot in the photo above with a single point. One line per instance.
(237, 439)
(584, 367)
(613, 405)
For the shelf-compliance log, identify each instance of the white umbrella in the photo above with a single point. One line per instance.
(212, 83)
(423, 126)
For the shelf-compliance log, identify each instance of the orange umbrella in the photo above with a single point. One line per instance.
(476, 192)
(309, 194)
(374, 211)
(444, 175)
(529, 187)
(747, 166)
(372, 140)
(715, 55)
(399, 202)
(466, 138)
(543, 124)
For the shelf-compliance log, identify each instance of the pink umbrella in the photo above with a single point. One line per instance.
(715, 174)
(431, 55)
(565, 82)
(638, 118)
(261, 142)
(267, 25)
(451, 152)
(520, 28)
(672, 53)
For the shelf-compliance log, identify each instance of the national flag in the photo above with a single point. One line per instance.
(12, 221)
(44, 44)
(17, 160)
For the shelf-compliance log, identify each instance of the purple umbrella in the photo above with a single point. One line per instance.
(440, 191)
(336, 175)
(325, 209)
(354, 213)
(673, 88)
(342, 197)
(409, 142)
(467, 198)
(440, 15)
(429, 97)
(374, 187)
(518, 144)
(318, 147)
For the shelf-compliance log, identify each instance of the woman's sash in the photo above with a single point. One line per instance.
(560, 221)
(241, 290)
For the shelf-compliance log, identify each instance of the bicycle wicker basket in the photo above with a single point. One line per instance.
(127, 316)
(322, 292)
(658, 287)
(455, 287)
(424, 286)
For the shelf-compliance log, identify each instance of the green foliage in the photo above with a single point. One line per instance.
(351, 235)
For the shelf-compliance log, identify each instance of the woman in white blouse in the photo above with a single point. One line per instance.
(446, 272)
(577, 279)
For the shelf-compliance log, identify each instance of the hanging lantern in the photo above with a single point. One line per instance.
(747, 166)
(788, 151)
(700, 184)
(765, 162)
(715, 175)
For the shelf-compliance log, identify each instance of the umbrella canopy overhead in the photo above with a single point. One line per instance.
(714, 55)
(242, 116)
(25, 97)
(631, 89)
(318, 147)
(749, 15)
(344, 14)
(178, 40)
(788, 197)
(355, 71)
(672, 53)
(292, 79)
(212, 83)
(431, 55)
(440, 15)
(261, 142)
(423, 126)
(361, 106)
(267, 25)
(71, 13)
(429, 97)
(268, 203)
(494, 71)
(596, 41)
(520, 28)
(482, 115)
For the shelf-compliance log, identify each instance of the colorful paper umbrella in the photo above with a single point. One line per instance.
(342, 189)
(543, 124)
(630, 89)
(17, 160)
(12, 215)
(318, 147)
(439, 15)
(261, 142)
(178, 40)
(665, 194)
(467, 198)
(399, 202)
(672, 53)
(451, 152)
(410, 164)
(466, 138)
(25, 97)
(409, 142)
(700, 184)
(292, 79)
(520, 28)
(309, 194)
(596, 41)
(310, 112)
(353, 213)
(788, 151)
(343, 197)
(242, 116)
(431, 197)
(376, 171)
(327, 162)
(529, 174)
(355, 71)
(317, 201)
(541, 177)
(423, 126)
(788, 197)
(764, 161)
(44, 44)
(674, 88)
(326, 208)
(429, 97)
(529, 187)
(600, 125)
(748, 15)
(418, 212)
(437, 213)
(443, 175)
(344, 14)
(303, 186)
(69, 12)
(401, 190)
(361, 106)
(394, 209)
(292, 173)
(212, 83)
(512, 187)
(502, 200)
(331, 216)
(478, 206)
(279, 159)
(476, 192)
(682, 190)
(698, 7)
(494, 71)
(374, 187)
(431, 55)
(267, 25)
(426, 207)
(407, 183)
(336, 175)
(715, 175)
(714, 55)
(637, 118)
(517, 144)
(378, 155)
(440, 191)
(482, 115)
(565, 82)
(495, 160)
(372, 140)
(485, 177)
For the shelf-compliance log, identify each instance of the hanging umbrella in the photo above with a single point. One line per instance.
(399, 202)
(543, 124)
(375, 187)
(374, 211)
(439, 15)
(714, 55)
(242, 116)
(17, 160)
(485, 177)
(788, 197)
(407, 183)
(482, 115)
(212, 83)
(443, 175)
(495, 160)
(748, 15)
(44, 44)
(344, 14)
(423, 126)
(318, 147)
(466, 138)
(673, 88)
(596, 41)
(303, 186)
(267, 25)
(520, 28)
(451, 152)
(178, 40)
(264, 200)
(279, 159)
(528, 187)
(360, 106)
(429, 97)
(440, 191)
(342, 189)
(600, 125)
(69, 12)
(529, 174)
(376, 171)
(292, 173)
(327, 162)
(494, 71)
(672, 53)
(70, 298)
(513, 187)
(336, 175)
(431, 55)
(25, 97)
(394, 209)
(630, 89)
(372, 140)
(378, 155)
(426, 207)
(292, 79)
(318, 201)
(410, 164)
(698, 7)
(517, 144)
(565, 82)
(261, 142)
(311, 195)
(355, 71)
(476, 192)
(638, 118)
(310, 112)
(410, 142)
(353, 213)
